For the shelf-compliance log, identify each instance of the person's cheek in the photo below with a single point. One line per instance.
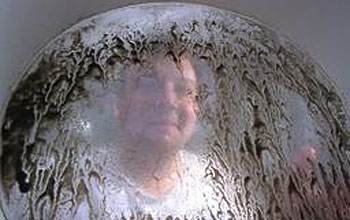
(191, 118)
(135, 114)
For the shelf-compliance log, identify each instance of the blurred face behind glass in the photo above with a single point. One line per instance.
(158, 108)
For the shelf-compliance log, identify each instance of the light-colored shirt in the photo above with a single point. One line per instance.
(190, 197)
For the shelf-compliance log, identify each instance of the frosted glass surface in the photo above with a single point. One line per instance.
(174, 111)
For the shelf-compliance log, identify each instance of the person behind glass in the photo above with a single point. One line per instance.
(158, 116)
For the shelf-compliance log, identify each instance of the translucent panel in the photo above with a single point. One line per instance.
(174, 111)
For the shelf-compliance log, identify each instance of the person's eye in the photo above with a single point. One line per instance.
(190, 89)
(148, 84)
(181, 89)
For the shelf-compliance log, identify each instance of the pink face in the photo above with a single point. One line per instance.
(160, 107)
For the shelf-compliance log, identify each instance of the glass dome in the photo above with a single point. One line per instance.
(174, 111)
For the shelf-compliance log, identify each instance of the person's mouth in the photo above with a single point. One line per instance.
(166, 123)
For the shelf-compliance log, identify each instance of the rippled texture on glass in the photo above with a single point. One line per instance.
(174, 111)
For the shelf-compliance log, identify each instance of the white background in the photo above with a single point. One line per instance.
(321, 27)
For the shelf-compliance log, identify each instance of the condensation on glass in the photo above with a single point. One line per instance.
(174, 111)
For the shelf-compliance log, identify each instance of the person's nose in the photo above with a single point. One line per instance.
(169, 96)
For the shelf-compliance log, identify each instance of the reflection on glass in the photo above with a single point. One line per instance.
(158, 116)
(151, 166)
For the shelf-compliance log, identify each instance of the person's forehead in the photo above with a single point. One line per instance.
(165, 67)
(162, 68)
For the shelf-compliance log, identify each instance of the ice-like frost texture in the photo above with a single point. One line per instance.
(270, 139)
